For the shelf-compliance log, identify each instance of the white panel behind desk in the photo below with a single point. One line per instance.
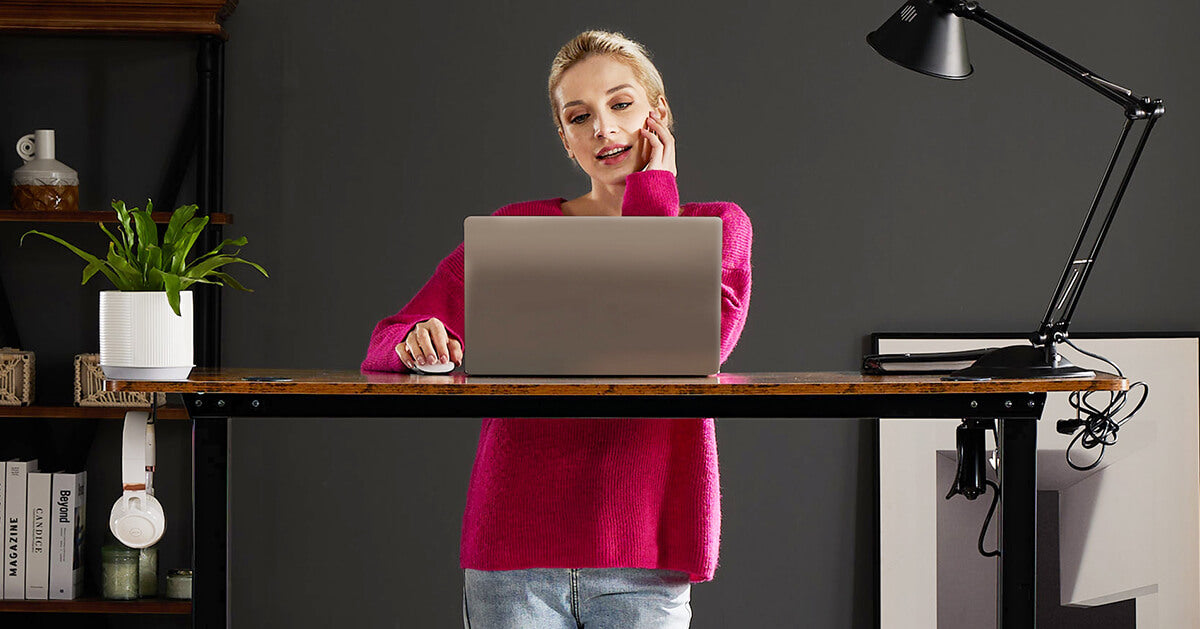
(1129, 529)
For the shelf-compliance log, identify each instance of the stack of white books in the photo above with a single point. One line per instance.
(43, 531)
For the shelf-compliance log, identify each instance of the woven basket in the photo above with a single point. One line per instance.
(16, 377)
(89, 387)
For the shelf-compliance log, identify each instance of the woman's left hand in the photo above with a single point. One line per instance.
(659, 147)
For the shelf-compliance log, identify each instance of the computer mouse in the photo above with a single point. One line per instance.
(435, 368)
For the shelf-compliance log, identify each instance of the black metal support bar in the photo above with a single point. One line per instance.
(209, 180)
(1016, 572)
(206, 97)
(210, 523)
(990, 405)
(210, 436)
(215, 232)
(217, 158)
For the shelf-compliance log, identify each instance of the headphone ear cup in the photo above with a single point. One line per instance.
(137, 519)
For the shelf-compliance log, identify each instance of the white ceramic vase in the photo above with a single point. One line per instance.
(141, 338)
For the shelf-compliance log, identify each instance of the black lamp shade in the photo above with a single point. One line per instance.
(925, 37)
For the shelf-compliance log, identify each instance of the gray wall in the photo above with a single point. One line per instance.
(359, 137)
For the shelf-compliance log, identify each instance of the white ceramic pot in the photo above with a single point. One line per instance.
(141, 338)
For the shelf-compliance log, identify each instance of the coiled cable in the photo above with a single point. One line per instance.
(1099, 423)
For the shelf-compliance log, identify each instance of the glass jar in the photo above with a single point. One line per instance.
(179, 584)
(120, 572)
(148, 572)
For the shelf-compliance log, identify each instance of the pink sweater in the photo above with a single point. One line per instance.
(590, 493)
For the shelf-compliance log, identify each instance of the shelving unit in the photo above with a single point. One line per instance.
(96, 216)
(201, 21)
(94, 605)
(85, 412)
(77, 17)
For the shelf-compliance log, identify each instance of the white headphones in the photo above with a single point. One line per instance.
(137, 518)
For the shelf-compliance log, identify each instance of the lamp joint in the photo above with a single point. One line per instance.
(1145, 108)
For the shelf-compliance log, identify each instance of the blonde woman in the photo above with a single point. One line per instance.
(592, 523)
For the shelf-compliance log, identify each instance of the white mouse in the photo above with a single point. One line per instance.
(433, 368)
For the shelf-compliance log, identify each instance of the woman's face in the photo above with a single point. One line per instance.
(602, 106)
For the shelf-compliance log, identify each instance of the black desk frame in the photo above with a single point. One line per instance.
(1016, 416)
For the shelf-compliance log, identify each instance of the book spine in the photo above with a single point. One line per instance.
(3, 475)
(14, 527)
(66, 535)
(37, 533)
(80, 531)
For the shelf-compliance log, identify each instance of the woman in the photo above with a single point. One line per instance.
(587, 522)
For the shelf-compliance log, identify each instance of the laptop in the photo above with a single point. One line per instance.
(592, 296)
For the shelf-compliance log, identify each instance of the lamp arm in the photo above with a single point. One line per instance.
(1135, 106)
(1058, 315)
(1053, 328)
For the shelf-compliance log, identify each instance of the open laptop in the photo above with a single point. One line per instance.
(592, 296)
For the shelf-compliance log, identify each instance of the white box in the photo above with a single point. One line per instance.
(37, 537)
(67, 529)
(17, 473)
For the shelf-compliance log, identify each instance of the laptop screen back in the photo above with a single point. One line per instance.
(592, 296)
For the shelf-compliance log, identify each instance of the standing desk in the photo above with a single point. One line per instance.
(212, 396)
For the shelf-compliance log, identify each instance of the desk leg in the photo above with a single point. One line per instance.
(210, 441)
(1016, 573)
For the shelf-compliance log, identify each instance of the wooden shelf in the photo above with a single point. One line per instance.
(93, 605)
(86, 412)
(104, 17)
(96, 216)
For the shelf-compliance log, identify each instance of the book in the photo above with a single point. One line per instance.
(67, 529)
(3, 473)
(921, 363)
(37, 537)
(16, 475)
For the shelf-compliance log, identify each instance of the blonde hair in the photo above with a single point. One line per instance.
(591, 43)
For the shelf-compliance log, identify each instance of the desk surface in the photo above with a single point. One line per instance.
(321, 382)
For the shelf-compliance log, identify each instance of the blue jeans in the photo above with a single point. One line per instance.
(574, 598)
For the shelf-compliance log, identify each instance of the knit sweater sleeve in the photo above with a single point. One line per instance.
(655, 193)
(737, 236)
(440, 297)
(650, 193)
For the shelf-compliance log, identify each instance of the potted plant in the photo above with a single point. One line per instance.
(146, 324)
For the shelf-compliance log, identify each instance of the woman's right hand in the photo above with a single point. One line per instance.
(659, 147)
(428, 343)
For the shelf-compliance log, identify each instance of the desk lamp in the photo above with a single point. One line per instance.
(928, 36)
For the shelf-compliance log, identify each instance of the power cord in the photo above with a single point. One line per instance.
(988, 519)
(971, 479)
(1099, 423)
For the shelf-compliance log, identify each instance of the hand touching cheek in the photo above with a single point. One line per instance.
(658, 145)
